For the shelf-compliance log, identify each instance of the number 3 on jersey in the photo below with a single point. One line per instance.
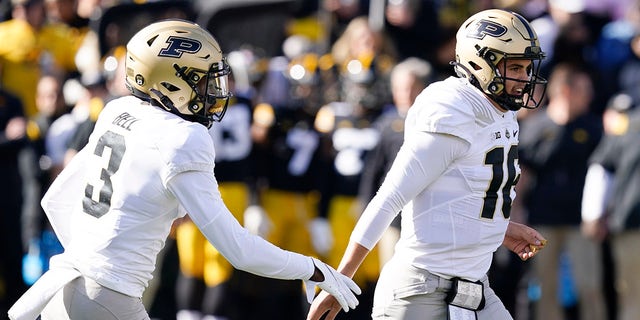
(495, 159)
(97, 203)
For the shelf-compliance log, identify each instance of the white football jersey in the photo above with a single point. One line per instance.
(113, 206)
(123, 211)
(455, 223)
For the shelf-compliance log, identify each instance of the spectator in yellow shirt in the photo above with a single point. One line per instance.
(30, 45)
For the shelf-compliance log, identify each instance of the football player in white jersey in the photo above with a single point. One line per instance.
(149, 161)
(453, 182)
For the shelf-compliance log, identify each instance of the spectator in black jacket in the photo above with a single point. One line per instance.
(555, 144)
(611, 203)
(12, 142)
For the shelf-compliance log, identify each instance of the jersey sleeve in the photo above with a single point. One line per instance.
(421, 160)
(441, 110)
(189, 148)
(198, 194)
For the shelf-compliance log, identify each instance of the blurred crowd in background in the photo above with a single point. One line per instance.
(321, 88)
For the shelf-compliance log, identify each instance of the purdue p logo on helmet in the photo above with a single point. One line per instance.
(486, 27)
(491, 37)
(178, 65)
(179, 45)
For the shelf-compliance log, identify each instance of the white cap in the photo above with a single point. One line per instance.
(570, 6)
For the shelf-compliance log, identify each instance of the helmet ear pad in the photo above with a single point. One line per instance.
(496, 85)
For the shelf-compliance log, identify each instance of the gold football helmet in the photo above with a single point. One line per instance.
(178, 65)
(491, 37)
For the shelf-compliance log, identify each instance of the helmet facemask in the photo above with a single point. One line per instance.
(210, 92)
(534, 88)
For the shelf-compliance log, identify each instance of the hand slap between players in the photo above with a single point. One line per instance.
(524, 241)
(337, 284)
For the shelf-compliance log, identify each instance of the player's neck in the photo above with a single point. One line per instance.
(496, 105)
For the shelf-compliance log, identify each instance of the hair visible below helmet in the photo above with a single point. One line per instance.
(179, 66)
(490, 38)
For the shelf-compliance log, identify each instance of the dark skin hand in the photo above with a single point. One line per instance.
(317, 275)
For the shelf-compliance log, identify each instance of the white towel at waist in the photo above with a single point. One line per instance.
(32, 302)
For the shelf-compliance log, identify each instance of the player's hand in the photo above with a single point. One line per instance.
(524, 241)
(321, 235)
(323, 304)
(338, 285)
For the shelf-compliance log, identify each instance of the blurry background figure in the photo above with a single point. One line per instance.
(38, 174)
(413, 26)
(408, 78)
(619, 48)
(559, 16)
(338, 14)
(12, 142)
(33, 45)
(569, 32)
(307, 73)
(347, 136)
(611, 206)
(204, 287)
(102, 86)
(555, 144)
(38, 42)
(629, 77)
(362, 59)
(356, 89)
(63, 128)
(288, 176)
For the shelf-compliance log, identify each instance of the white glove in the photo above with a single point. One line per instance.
(257, 221)
(336, 284)
(321, 235)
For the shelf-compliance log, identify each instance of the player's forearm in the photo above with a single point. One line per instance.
(197, 192)
(352, 258)
(515, 230)
(251, 253)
